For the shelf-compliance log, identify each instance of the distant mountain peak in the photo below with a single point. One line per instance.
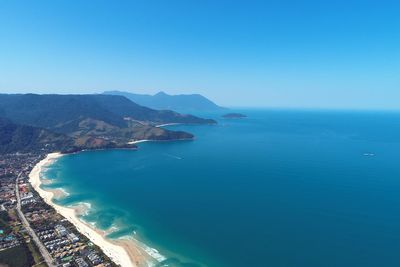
(161, 93)
(163, 101)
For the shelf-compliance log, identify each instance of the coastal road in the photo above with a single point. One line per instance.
(46, 255)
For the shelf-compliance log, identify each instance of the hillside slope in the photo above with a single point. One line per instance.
(80, 114)
(21, 138)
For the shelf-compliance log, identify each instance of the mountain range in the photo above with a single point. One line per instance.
(75, 122)
(163, 101)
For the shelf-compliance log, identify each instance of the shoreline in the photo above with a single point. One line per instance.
(159, 141)
(138, 141)
(168, 124)
(124, 252)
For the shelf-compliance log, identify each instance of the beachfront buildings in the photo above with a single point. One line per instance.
(58, 241)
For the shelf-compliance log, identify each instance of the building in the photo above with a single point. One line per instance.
(61, 230)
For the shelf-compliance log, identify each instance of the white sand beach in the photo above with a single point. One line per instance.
(126, 253)
(168, 124)
(138, 141)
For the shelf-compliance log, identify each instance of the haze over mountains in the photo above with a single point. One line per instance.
(164, 101)
(84, 121)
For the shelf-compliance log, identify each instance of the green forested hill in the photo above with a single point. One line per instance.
(73, 122)
(22, 138)
(63, 113)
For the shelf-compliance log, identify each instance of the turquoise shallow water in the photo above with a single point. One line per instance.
(280, 188)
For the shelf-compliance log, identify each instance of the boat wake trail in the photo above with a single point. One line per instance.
(172, 156)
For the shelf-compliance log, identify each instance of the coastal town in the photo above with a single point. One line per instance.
(32, 233)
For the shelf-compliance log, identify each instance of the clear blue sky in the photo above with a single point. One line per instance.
(333, 54)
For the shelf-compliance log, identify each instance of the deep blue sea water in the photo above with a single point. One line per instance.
(279, 188)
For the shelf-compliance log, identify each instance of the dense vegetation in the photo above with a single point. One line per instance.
(4, 225)
(63, 113)
(70, 123)
(18, 256)
(14, 137)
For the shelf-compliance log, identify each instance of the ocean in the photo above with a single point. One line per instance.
(279, 188)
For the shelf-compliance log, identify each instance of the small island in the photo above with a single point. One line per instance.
(234, 116)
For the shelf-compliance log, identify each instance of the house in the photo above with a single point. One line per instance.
(73, 237)
(61, 230)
